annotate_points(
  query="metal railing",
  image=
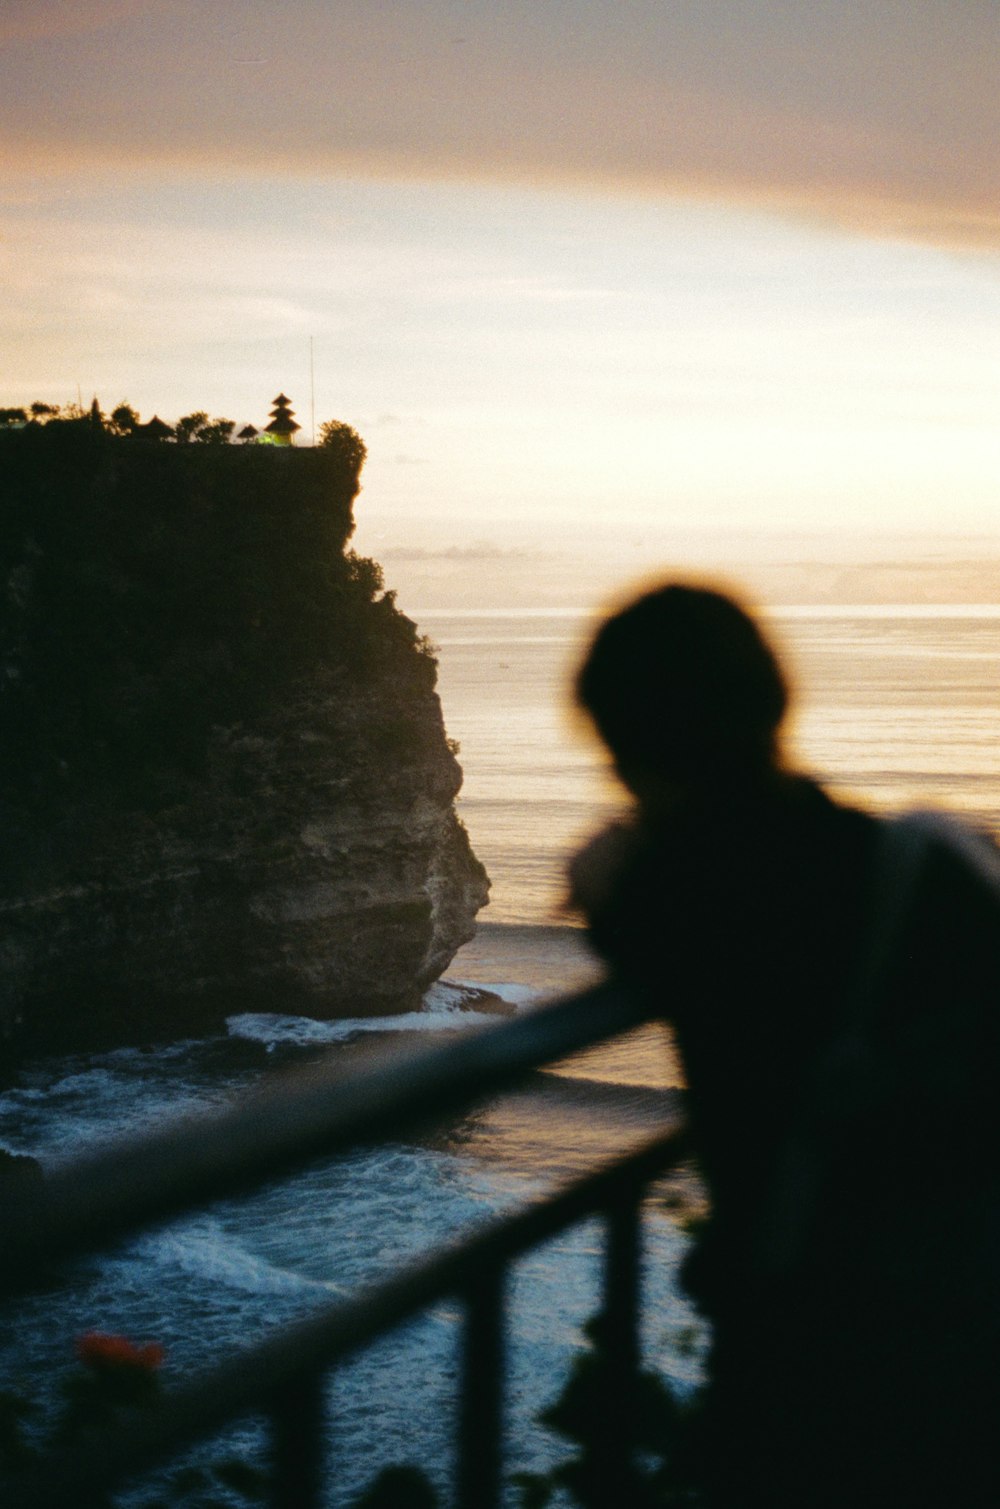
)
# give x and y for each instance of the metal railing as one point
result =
(296, 1118)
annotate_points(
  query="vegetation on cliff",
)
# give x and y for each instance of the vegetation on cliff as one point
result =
(153, 592)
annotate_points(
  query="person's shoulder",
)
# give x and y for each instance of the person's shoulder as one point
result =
(813, 817)
(808, 795)
(936, 831)
(949, 865)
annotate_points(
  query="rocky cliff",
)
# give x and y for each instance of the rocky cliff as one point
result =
(224, 778)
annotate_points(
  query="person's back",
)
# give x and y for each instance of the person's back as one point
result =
(745, 900)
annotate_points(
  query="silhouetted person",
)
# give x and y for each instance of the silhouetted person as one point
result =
(833, 981)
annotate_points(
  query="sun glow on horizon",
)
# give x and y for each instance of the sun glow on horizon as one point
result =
(507, 351)
(734, 268)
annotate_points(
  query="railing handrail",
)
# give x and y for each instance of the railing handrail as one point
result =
(296, 1116)
(301, 1115)
(332, 1333)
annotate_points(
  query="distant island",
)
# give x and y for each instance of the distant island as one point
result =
(224, 776)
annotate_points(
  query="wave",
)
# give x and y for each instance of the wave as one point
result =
(449, 1006)
(203, 1249)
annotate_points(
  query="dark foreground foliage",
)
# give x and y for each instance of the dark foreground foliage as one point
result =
(661, 1471)
(115, 1380)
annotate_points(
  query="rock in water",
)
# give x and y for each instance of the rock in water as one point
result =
(224, 775)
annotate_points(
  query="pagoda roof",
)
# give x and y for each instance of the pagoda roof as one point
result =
(283, 424)
(282, 399)
(248, 432)
(155, 429)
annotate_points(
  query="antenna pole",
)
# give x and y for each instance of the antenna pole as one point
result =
(312, 387)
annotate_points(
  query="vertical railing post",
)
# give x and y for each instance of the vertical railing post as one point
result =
(480, 1443)
(619, 1342)
(297, 1460)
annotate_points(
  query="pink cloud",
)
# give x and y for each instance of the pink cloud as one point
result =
(884, 118)
(31, 20)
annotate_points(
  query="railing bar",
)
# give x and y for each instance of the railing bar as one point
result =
(297, 1436)
(622, 1275)
(237, 1386)
(480, 1441)
(620, 1343)
(300, 1115)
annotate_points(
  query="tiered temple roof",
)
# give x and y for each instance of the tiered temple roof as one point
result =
(283, 423)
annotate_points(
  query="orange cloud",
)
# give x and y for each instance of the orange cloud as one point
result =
(30, 20)
(884, 118)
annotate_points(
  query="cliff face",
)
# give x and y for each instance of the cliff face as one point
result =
(224, 776)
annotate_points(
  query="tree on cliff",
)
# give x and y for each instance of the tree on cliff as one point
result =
(217, 432)
(187, 428)
(124, 419)
(346, 444)
(197, 426)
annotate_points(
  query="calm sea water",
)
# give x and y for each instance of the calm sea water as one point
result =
(897, 707)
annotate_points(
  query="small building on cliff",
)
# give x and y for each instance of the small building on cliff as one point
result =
(155, 429)
(283, 422)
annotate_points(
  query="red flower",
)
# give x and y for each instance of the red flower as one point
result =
(103, 1353)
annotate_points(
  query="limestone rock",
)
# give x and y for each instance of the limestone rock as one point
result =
(223, 797)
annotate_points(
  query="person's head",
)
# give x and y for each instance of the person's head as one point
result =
(685, 692)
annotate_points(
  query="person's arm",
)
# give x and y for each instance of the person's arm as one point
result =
(595, 871)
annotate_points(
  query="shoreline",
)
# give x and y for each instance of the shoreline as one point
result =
(504, 967)
(550, 958)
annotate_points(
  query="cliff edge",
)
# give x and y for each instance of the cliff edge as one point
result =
(224, 778)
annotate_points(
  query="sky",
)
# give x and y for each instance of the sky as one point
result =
(590, 274)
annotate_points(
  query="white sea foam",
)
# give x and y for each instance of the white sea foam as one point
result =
(205, 1251)
(460, 997)
(512, 995)
(89, 1084)
(447, 1008)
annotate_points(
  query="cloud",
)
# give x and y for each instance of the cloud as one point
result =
(483, 550)
(881, 117)
(31, 20)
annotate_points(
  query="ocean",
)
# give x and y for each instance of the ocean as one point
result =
(897, 707)
(894, 707)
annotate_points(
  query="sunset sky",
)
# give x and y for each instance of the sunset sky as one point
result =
(688, 264)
